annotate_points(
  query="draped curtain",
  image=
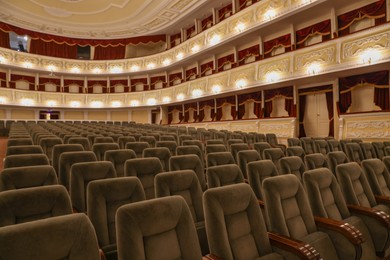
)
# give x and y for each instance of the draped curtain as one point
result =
(225, 12)
(191, 72)
(174, 38)
(328, 90)
(158, 79)
(226, 100)
(92, 83)
(228, 59)
(287, 93)
(135, 82)
(29, 79)
(3, 79)
(109, 52)
(207, 22)
(376, 10)
(248, 52)
(4, 39)
(187, 108)
(53, 49)
(190, 31)
(170, 112)
(202, 105)
(68, 82)
(378, 80)
(244, 98)
(245, 3)
(323, 28)
(173, 77)
(206, 67)
(282, 41)
(116, 82)
(44, 81)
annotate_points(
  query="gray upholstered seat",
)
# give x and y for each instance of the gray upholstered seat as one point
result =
(215, 142)
(233, 141)
(151, 140)
(273, 154)
(334, 145)
(296, 151)
(321, 146)
(220, 158)
(145, 169)
(386, 161)
(162, 153)
(190, 149)
(118, 159)
(48, 143)
(235, 148)
(327, 201)
(377, 176)
(273, 141)
(336, 158)
(137, 147)
(292, 165)
(104, 197)
(368, 150)
(100, 148)
(316, 160)
(290, 214)
(30, 204)
(171, 145)
(189, 162)
(185, 183)
(244, 157)
(81, 174)
(257, 172)
(80, 140)
(19, 141)
(183, 138)
(222, 175)
(215, 148)
(293, 141)
(162, 228)
(260, 147)
(24, 149)
(308, 145)
(20, 160)
(71, 237)
(123, 140)
(354, 152)
(28, 176)
(103, 139)
(62, 148)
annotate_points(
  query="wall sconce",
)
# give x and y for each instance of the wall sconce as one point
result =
(96, 104)
(272, 76)
(269, 14)
(151, 102)
(151, 65)
(166, 62)
(3, 100)
(75, 103)
(2, 59)
(116, 69)
(195, 48)
(180, 56)
(216, 89)
(241, 83)
(216, 38)
(134, 68)
(96, 70)
(27, 102)
(134, 103)
(166, 99)
(197, 93)
(370, 55)
(180, 96)
(51, 103)
(27, 64)
(75, 70)
(116, 103)
(240, 27)
(313, 68)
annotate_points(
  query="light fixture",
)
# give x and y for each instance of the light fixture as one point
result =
(166, 62)
(75, 103)
(27, 102)
(166, 99)
(27, 64)
(2, 59)
(96, 104)
(313, 68)
(134, 68)
(134, 103)
(370, 55)
(195, 48)
(51, 103)
(151, 65)
(180, 96)
(3, 100)
(216, 89)
(272, 76)
(96, 70)
(241, 83)
(51, 68)
(216, 38)
(197, 93)
(75, 70)
(116, 69)
(116, 103)
(180, 56)
(269, 14)
(240, 27)
(151, 101)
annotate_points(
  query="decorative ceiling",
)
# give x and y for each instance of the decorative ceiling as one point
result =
(100, 19)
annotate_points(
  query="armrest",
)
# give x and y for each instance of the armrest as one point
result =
(302, 250)
(382, 199)
(379, 215)
(347, 230)
(211, 257)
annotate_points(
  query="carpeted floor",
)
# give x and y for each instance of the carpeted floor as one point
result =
(3, 148)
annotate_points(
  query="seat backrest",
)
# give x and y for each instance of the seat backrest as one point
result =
(184, 137)
(118, 159)
(222, 175)
(189, 162)
(71, 237)
(235, 148)
(334, 145)
(244, 157)
(184, 183)
(316, 160)
(24, 149)
(103, 200)
(123, 140)
(379, 148)
(354, 152)
(336, 158)
(67, 159)
(386, 161)
(138, 147)
(30, 204)
(100, 148)
(227, 211)
(308, 145)
(168, 138)
(354, 185)
(61, 148)
(296, 151)
(194, 142)
(220, 158)
(260, 137)
(257, 172)
(215, 148)
(378, 176)
(288, 207)
(292, 165)
(271, 138)
(145, 169)
(103, 139)
(20, 160)
(80, 140)
(81, 174)
(190, 149)
(146, 229)
(171, 145)
(19, 141)
(47, 145)
(368, 150)
(26, 177)
(233, 141)
(215, 142)
(260, 147)
(162, 153)
(326, 199)
(293, 141)
(151, 140)
(321, 146)
(273, 154)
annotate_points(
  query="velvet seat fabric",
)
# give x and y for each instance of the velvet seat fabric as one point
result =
(293, 141)
(171, 145)
(19, 141)
(118, 159)
(235, 148)
(61, 148)
(48, 144)
(20, 160)
(191, 149)
(315, 161)
(24, 149)
(222, 175)
(292, 165)
(368, 150)
(100, 148)
(378, 176)
(308, 145)
(151, 140)
(162, 153)
(244, 157)
(354, 152)
(215, 148)
(336, 158)
(260, 147)
(137, 147)
(379, 148)
(219, 158)
(296, 151)
(123, 140)
(321, 146)
(257, 172)
(189, 162)
(334, 145)
(80, 140)
(273, 154)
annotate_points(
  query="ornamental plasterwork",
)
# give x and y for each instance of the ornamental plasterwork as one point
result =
(182, 90)
(281, 129)
(151, 60)
(180, 4)
(50, 62)
(25, 94)
(280, 66)
(96, 98)
(6, 93)
(155, 23)
(6, 54)
(119, 65)
(75, 64)
(220, 29)
(326, 55)
(354, 48)
(96, 66)
(48, 97)
(368, 129)
(74, 97)
(27, 58)
(152, 94)
(247, 74)
(201, 85)
(120, 98)
(246, 18)
(134, 96)
(196, 41)
(135, 63)
(273, 4)
(245, 127)
(167, 92)
(221, 80)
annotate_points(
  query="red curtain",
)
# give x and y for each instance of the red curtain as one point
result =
(53, 49)
(375, 11)
(29, 79)
(92, 83)
(170, 111)
(202, 105)
(4, 39)
(173, 77)
(228, 59)
(248, 52)
(323, 28)
(225, 12)
(329, 104)
(3, 79)
(255, 97)
(284, 41)
(157, 79)
(68, 82)
(109, 52)
(207, 22)
(187, 108)
(174, 38)
(221, 101)
(380, 81)
(44, 81)
(190, 31)
(302, 106)
(206, 67)
(191, 72)
(287, 92)
(245, 3)
(115, 82)
(135, 82)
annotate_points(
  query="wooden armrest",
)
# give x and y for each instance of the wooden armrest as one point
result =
(382, 199)
(261, 204)
(211, 257)
(304, 251)
(101, 253)
(347, 230)
(379, 215)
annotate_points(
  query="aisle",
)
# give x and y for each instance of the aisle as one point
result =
(3, 148)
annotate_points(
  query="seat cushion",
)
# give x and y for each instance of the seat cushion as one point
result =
(368, 249)
(322, 243)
